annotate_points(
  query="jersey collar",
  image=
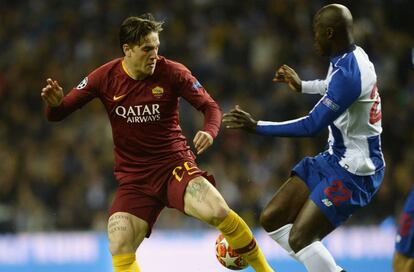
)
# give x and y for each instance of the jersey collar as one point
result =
(340, 54)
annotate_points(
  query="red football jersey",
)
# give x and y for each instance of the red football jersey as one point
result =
(143, 113)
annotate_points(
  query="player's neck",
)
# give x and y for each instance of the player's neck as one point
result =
(342, 49)
(131, 72)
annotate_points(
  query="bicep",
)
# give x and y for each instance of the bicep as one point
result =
(336, 101)
(192, 91)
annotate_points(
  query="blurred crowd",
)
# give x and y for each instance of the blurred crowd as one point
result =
(58, 176)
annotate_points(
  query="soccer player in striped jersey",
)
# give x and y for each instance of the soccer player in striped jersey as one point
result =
(403, 260)
(323, 191)
(154, 165)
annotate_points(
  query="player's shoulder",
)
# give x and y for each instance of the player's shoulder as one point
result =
(107, 67)
(355, 67)
(100, 75)
(346, 67)
(171, 66)
(346, 76)
(354, 60)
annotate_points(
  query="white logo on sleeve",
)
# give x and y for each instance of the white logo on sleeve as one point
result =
(327, 202)
(330, 104)
(82, 84)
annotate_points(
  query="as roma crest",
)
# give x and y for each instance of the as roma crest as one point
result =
(157, 92)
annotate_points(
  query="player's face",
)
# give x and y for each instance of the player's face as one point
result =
(144, 56)
(320, 39)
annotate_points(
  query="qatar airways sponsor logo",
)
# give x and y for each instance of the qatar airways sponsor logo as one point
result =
(139, 113)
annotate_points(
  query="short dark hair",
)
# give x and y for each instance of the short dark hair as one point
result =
(136, 27)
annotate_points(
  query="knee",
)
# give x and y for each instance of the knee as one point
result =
(298, 240)
(218, 214)
(119, 247)
(271, 219)
(124, 236)
(121, 244)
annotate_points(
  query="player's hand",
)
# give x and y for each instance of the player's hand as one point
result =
(239, 119)
(287, 75)
(52, 93)
(202, 141)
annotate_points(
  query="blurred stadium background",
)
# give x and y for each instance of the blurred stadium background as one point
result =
(56, 180)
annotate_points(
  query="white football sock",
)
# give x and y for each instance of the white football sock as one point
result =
(281, 236)
(317, 258)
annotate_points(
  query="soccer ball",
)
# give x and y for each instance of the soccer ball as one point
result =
(227, 256)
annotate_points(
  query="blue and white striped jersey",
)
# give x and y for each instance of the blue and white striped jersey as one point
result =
(350, 107)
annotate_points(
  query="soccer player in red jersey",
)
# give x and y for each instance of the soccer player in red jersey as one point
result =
(153, 163)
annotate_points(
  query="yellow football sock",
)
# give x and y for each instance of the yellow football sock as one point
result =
(125, 263)
(240, 237)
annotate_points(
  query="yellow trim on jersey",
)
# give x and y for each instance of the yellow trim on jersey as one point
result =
(126, 70)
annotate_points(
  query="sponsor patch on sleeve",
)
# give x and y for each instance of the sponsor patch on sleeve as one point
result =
(330, 104)
(82, 84)
(196, 85)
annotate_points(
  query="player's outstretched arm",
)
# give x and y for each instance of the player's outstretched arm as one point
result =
(239, 119)
(52, 93)
(285, 74)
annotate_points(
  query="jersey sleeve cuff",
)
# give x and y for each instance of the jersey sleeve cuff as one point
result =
(313, 86)
(307, 87)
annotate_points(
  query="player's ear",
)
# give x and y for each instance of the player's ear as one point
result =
(329, 32)
(126, 49)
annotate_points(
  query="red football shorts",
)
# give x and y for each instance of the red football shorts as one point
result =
(145, 195)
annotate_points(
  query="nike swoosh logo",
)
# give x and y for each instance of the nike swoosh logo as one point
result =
(116, 98)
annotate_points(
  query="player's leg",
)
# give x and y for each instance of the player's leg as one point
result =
(132, 215)
(284, 209)
(125, 233)
(336, 196)
(203, 201)
(280, 213)
(309, 179)
(278, 216)
(310, 227)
